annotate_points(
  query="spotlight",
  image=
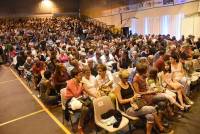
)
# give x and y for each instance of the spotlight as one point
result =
(47, 3)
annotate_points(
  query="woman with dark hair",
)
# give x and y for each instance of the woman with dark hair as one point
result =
(47, 92)
(124, 61)
(60, 77)
(21, 59)
(166, 80)
(38, 69)
(104, 80)
(179, 74)
(154, 85)
(75, 89)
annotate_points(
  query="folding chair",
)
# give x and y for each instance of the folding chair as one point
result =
(131, 118)
(101, 106)
(71, 112)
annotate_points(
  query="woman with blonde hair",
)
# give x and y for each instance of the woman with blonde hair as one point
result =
(128, 99)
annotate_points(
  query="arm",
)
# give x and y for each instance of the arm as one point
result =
(137, 90)
(48, 88)
(85, 87)
(110, 78)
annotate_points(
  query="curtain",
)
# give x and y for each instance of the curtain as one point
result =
(167, 24)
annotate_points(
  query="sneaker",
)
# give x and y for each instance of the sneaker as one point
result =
(187, 108)
(38, 95)
(80, 131)
(188, 101)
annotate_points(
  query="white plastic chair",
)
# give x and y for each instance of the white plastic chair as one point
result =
(101, 106)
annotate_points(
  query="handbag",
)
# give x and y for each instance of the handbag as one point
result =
(139, 102)
(86, 101)
(75, 104)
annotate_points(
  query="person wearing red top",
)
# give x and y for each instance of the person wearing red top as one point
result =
(159, 63)
(75, 89)
(37, 69)
(139, 83)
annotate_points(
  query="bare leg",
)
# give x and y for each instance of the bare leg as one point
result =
(180, 97)
(149, 126)
(158, 122)
(179, 106)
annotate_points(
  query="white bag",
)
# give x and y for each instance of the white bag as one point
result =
(75, 104)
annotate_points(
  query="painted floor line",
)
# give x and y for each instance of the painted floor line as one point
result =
(3, 82)
(42, 105)
(22, 117)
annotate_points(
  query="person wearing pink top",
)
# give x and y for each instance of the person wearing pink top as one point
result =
(74, 86)
(63, 57)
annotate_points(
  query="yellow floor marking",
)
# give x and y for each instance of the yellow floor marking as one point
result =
(22, 117)
(42, 105)
(3, 82)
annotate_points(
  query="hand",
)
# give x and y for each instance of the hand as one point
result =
(104, 86)
(137, 96)
(134, 106)
(85, 96)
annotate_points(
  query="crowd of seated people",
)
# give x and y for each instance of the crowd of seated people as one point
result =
(75, 58)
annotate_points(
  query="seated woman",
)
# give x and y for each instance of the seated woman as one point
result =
(165, 78)
(154, 85)
(189, 67)
(140, 85)
(126, 97)
(38, 70)
(60, 77)
(104, 80)
(179, 74)
(151, 97)
(47, 93)
(75, 89)
(89, 83)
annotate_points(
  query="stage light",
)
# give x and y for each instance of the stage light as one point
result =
(47, 4)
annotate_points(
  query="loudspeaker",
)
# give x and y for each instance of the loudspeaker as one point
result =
(125, 31)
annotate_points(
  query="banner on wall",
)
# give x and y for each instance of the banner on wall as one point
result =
(168, 2)
(182, 1)
(144, 5)
(147, 4)
(157, 3)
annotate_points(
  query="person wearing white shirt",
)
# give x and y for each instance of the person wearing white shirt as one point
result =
(107, 59)
(104, 79)
(89, 83)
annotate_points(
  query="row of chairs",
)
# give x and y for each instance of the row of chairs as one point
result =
(102, 105)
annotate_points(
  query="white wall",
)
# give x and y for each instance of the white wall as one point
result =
(155, 18)
(191, 25)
